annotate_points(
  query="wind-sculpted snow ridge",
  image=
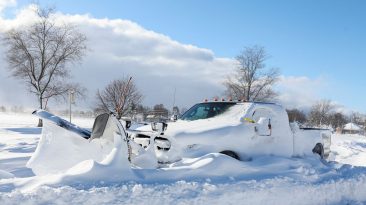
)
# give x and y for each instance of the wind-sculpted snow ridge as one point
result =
(277, 190)
(5, 175)
(212, 179)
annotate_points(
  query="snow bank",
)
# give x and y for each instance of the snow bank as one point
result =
(64, 157)
(277, 190)
(17, 120)
(107, 178)
(59, 149)
(216, 167)
(5, 174)
(349, 149)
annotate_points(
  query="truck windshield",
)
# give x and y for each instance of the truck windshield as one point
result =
(206, 110)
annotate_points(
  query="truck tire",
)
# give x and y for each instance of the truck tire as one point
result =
(319, 149)
(230, 154)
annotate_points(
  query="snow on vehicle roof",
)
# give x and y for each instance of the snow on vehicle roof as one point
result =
(234, 116)
(239, 101)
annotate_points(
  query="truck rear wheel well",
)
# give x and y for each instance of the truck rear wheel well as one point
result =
(319, 149)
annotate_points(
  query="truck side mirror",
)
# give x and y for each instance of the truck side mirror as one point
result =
(128, 124)
(99, 126)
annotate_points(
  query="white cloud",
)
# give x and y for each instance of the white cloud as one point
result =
(6, 3)
(157, 63)
(300, 91)
(23, 18)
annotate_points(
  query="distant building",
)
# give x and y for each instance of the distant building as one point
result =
(139, 117)
(352, 128)
(157, 116)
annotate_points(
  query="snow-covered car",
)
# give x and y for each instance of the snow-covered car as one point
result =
(239, 129)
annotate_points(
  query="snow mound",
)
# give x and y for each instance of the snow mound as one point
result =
(5, 175)
(275, 190)
(349, 149)
(59, 149)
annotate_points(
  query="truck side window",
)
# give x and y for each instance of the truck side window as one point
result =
(206, 110)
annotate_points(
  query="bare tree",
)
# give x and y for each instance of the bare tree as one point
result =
(357, 118)
(39, 54)
(2, 109)
(120, 96)
(296, 115)
(253, 81)
(320, 113)
(337, 120)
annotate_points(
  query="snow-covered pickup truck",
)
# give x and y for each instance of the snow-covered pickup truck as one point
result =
(242, 130)
(239, 129)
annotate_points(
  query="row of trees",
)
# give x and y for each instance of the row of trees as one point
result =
(13, 108)
(323, 113)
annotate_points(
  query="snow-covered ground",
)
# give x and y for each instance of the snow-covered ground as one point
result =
(210, 179)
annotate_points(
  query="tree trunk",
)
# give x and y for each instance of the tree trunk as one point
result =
(248, 94)
(40, 122)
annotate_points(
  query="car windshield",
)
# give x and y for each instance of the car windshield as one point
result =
(206, 110)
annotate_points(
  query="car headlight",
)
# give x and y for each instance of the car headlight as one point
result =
(162, 143)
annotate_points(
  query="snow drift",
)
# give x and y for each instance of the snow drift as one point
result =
(209, 179)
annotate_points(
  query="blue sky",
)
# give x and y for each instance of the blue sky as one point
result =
(318, 39)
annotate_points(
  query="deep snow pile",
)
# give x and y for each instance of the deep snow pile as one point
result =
(270, 191)
(349, 149)
(213, 178)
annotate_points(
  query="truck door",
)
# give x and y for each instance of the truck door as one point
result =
(263, 118)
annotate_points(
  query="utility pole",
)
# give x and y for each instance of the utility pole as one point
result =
(71, 101)
(175, 91)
